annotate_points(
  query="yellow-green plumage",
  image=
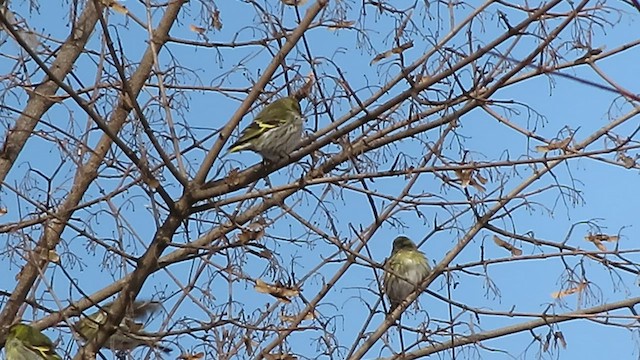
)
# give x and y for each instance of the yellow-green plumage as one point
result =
(275, 132)
(405, 269)
(25, 342)
(129, 334)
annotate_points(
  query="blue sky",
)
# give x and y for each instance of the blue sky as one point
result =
(606, 194)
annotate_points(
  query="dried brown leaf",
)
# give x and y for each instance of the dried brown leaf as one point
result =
(280, 356)
(195, 356)
(554, 145)
(471, 177)
(560, 337)
(290, 318)
(54, 98)
(252, 232)
(249, 344)
(395, 50)
(600, 245)
(477, 186)
(342, 24)
(116, 6)
(545, 346)
(49, 255)
(481, 178)
(420, 79)
(52, 256)
(598, 239)
(149, 179)
(573, 290)
(266, 254)
(294, 2)
(215, 20)
(305, 90)
(280, 292)
(197, 29)
(465, 176)
(627, 161)
(345, 86)
(232, 177)
(503, 244)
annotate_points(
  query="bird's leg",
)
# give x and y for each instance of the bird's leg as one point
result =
(266, 180)
(400, 334)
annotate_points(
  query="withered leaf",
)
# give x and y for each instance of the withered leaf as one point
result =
(290, 318)
(468, 177)
(232, 177)
(503, 244)
(395, 50)
(627, 161)
(215, 20)
(305, 90)
(52, 256)
(54, 98)
(464, 175)
(280, 292)
(195, 356)
(481, 178)
(560, 337)
(554, 145)
(266, 254)
(598, 239)
(573, 290)
(547, 343)
(249, 234)
(280, 357)
(477, 186)
(116, 6)
(49, 255)
(342, 24)
(603, 237)
(294, 2)
(589, 54)
(197, 29)
(249, 344)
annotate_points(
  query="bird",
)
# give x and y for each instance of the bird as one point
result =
(129, 334)
(24, 342)
(275, 131)
(405, 269)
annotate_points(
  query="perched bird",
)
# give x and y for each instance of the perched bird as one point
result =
(405, 269)
(24, 342)
(275, 132)
(129, 334)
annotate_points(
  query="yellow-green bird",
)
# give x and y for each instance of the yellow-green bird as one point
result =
(25, 342)
(275, 132)
(405, 269)
(130, 333)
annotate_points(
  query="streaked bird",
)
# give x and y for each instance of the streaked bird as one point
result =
(405, 269)
(25, 342)
(275, 132)
(129, 334)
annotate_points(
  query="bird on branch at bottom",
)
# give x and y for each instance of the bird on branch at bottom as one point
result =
(405, 269)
